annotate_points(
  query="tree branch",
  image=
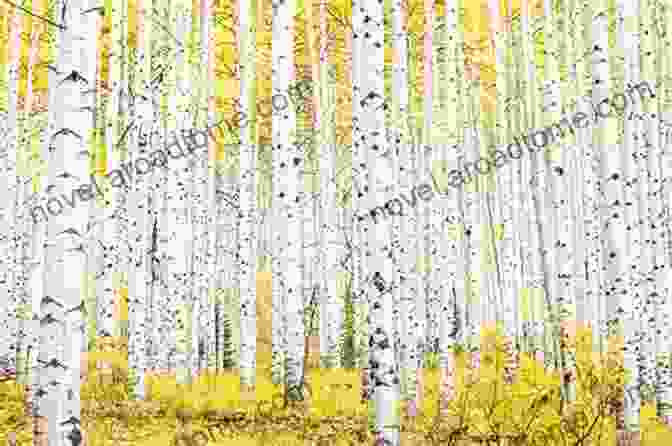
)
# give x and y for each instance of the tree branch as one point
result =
(62, 27)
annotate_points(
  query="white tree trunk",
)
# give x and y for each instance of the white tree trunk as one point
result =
(428, 295)
(651, 370)
(211, 211)
(62, 327)
(615, 245)
(116, 184)
(38, 260)
(507, 261)
(158, 306)
(535, 271)
(560, 250)
(180, 224)
(517, 93)
(451, 248)
(475, 230)
(288, 199)
(12, 350)
(282, 66)
(369, 138)
(354, 47)
(664, 386)
(657, 171)
(332, 215)
(248, 199)
(413, 262)
(22, 236)
(139, 277)
(404, 254)
(203, 187)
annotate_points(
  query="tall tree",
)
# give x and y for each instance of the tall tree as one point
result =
(151, 136)
(404, 254)
(560, 248)
(354, 48)
(111, 239)
(369, 139)
(413, 259)
(506, 259)
(62, 327)
(474, 227)
(451, 246)
(139, 275)
(535, 272)
(332, 213)
(288, 199)
(664, 363)
(180, 224)
(282, 69)
(26, 316)
(248, 198)
(20, 241)
(653, 370)
(425, 150)
(12, 349)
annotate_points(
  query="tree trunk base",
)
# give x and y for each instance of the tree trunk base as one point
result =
(667, 421)
(411, 409)
(247, 393)
(624, 438)
(40, 434)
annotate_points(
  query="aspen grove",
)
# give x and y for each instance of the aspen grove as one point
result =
(526, 303)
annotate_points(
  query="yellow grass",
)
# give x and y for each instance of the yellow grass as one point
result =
(333, 414)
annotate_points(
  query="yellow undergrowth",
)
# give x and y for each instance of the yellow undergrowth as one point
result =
(213, 411)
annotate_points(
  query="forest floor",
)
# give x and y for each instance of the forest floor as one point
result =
(212, 411)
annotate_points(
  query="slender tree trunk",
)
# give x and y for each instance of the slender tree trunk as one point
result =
(282, 67)
(203, 189)
(560, 250)
(414, 260)
(38, 260)
(62, 328)
(452, 262)
(405, 254)
(475, 231)
(354, 47)
(648, 158)
(139, 280)
(535, 289)
(13, 348)
(542, 221)
(653, 367)
(612, 187)
(213, 207)
(288, 163)
(26, 317)
(116, 184)
(248, 198)
(664, 364)
(21, 237)
(505, 179)
(156, 299)
(369, 138)
(180, 225)
(428, 295)
(332, 214)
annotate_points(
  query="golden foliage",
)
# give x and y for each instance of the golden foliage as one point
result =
(210, 411)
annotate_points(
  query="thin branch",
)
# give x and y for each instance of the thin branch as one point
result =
(339, 19)
(62, 27)
(162, 26)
